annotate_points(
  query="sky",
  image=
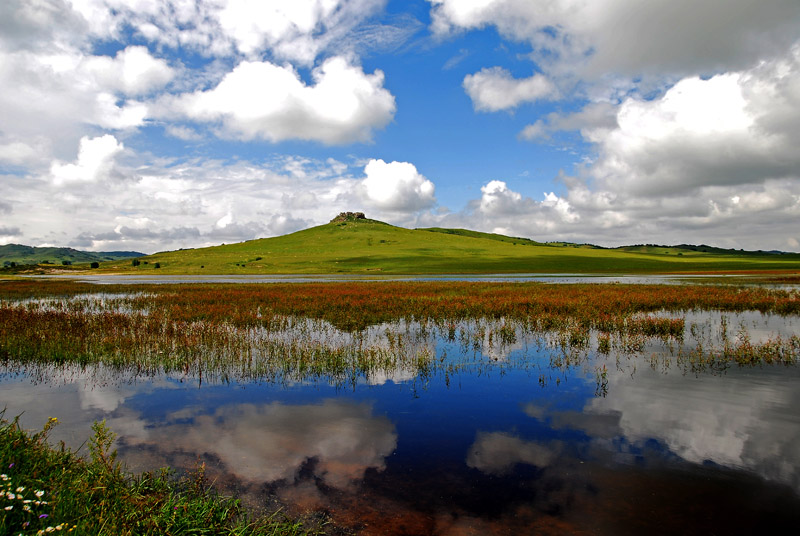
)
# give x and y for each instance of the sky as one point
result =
(154, 125)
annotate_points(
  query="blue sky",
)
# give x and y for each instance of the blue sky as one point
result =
(160, 124)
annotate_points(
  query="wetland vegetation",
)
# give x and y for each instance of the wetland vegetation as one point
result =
(348, 331)
(303, 347)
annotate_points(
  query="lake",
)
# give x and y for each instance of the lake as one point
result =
(519, 435)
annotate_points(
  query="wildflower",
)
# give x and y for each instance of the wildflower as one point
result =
(20, 489)
(42, 516)
(39, 494)
(10, 507)
(11, 496)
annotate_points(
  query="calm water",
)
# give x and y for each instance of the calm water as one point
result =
(310, 278)
(508, 445)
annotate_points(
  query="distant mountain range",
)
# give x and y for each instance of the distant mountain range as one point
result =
(20, 254)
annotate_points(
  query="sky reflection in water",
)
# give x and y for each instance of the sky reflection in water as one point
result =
(489, 450)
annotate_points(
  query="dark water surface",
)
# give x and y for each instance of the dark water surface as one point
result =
(504, 446)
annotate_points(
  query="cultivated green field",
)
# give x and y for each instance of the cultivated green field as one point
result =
(372, 247)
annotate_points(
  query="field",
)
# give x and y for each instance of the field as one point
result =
(373, 247)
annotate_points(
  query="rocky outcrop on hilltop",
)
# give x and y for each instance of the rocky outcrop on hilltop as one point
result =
(348, 216)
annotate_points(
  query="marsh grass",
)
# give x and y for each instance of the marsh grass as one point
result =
(347, 333)
(55, 490)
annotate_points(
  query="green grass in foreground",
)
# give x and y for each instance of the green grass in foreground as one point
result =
(53, 490)
(373, 247)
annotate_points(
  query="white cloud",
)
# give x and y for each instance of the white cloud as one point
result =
(494, 89)
(396, 186)
(503, 206)
(560, 206)
(268, 101)
(497, 198)
(18, 153)
(133, 71)
(95, 161)
(709, 157)
(727, 130)
(294, 30)
(156, 205)
(593, 121)
(632, 38)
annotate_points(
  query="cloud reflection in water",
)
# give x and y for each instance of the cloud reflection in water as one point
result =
(270, 442)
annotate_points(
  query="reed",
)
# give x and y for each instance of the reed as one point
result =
(344, 333)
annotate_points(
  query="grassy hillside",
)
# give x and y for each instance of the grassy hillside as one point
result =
(20, 254)
(372, 247)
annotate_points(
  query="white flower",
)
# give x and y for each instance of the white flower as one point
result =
(10, 507)
(39, 494)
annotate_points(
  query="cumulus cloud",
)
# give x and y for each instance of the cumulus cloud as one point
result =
(630, 38)
(132, 71)
(593, 121)
(53, 96)
(494, 89)
(701, 133)
(18, 153)
(94, 163)
(706, 153)
(396, 186)
(509, 211)
(154, 205)
(271, 102)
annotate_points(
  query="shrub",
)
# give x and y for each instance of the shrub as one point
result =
(95, 265)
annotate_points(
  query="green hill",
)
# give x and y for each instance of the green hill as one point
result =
(364, 246)
(19, 254)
